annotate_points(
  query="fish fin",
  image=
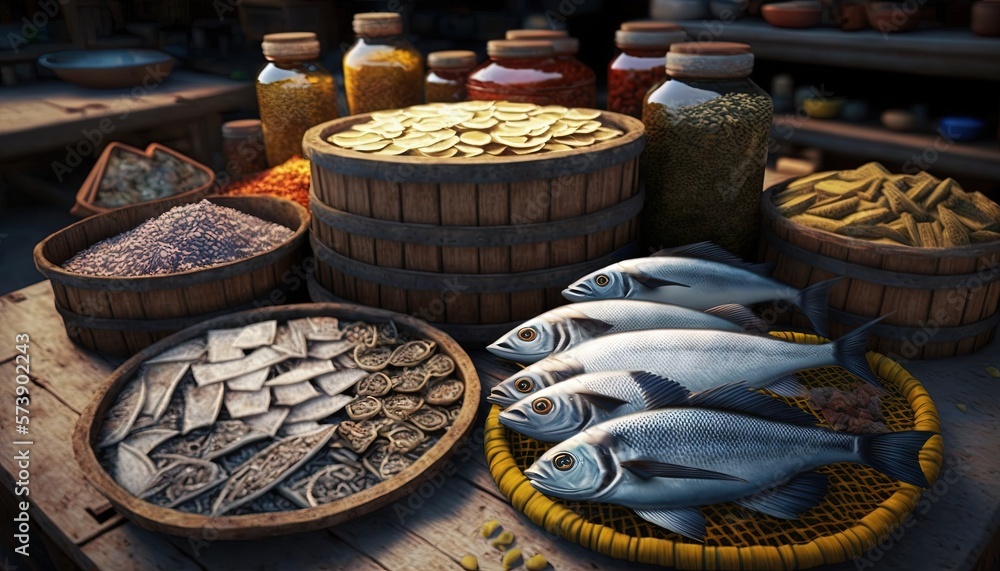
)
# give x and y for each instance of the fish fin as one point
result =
(601, 400)
(787, 386)
(689, 522)
(652, 282)
(896, 454)
(790, 499)
(592, 326)
(714, 253)
(660, 392)
(738, 397)
(647, 469)
(851, 353)
(740, 315)
(814, 301)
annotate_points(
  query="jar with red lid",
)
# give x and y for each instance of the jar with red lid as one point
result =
(565, 49)
(639, 63)
(527, 71)
(447, 73)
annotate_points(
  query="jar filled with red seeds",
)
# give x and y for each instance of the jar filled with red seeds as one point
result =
(527, 71)
(565, 49)
(448, 72)
(639, 63)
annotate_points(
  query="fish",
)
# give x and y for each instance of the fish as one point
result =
(700, 276)
(567, 326)
(291, 395)
(698, 359)
(665, 464)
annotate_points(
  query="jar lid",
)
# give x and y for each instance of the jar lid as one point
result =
(565, 46)
(291, 45)
(453, 59)
(378, 24)
(241, 128)
(649, 26)
(519, 48)
(637, 39)
(709, 60)
(536, 34)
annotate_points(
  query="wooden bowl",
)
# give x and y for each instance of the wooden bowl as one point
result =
(892, 17)
(109, 69)
(792, 14)
(86, 197)
(252, 526)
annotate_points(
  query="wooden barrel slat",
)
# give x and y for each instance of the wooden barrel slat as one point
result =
(494, 209)
(458, 208)
(566, 204)
(385, 205)
(942, 301)
(529, 204)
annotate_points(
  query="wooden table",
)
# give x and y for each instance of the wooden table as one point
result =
(53, 114)
(433, 530)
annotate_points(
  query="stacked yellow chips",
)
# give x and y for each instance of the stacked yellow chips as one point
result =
(472, 128)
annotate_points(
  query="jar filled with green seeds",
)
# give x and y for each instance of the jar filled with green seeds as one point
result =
(708, 127)
(294, 93)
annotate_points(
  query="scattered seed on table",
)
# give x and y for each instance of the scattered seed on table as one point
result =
(993, 371)
(962, 407)
(536, 562)
(511, 558)
(470, 563)
(503, 540)
(489, 528)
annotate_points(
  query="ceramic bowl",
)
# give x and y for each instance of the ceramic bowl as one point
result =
(962, 128)
(892, 17)
(799, 14)
(899, 120)
(822, 108)
(986, 18)
(108, 69)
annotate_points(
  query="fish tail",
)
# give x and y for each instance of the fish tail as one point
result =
(850, 353)
(896, 454)
(814, 302)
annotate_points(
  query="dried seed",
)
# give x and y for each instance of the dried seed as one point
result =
(536, 562)
(489, 528)
(836, 209)
(503, 540)
(511, 559)
(470, 563)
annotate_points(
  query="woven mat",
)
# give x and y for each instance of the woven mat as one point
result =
(862, 505)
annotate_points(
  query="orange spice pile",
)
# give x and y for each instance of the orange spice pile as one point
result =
(288, 180)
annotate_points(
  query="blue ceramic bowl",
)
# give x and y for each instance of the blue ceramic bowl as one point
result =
(962, 128)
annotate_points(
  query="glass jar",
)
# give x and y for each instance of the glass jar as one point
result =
(525, 71)
(565, 49)
(294, 93)
(243, 147)
(639, 63)
(382, 70)
(448, 73)
(707, 127)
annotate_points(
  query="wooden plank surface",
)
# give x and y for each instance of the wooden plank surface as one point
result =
(433, 532)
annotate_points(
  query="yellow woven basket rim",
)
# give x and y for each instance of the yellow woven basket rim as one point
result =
(835, 548)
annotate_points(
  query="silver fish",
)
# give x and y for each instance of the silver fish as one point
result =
(663, 464)
(697, 359)
(567, 326)
(700, 276)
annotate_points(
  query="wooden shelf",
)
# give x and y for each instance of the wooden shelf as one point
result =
(937, 52)
(978, 160)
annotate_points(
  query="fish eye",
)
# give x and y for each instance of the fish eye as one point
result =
(541, 405)
(527, 334)
(524, 385)
(563, 461)
(602, 280)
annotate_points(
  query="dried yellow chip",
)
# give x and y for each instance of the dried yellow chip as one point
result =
(479, 123)
(476, 138)
(511, 107)
(495, 148)
(376, 146)
(583, 113)
(507, 116)
(557, 147)
(527, 150)
(440, 146)
(536, 562)
(489, 528)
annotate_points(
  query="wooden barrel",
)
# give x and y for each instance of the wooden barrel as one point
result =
(475, 245)
(938, 302)
(122, 315)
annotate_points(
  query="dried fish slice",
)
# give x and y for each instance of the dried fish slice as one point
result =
(429, 418)
(145, 441)
(797, 205)
(185, 352)
(374, 385)
(291, 395)
(329, 484)
(983, 236)
(394, 463)
(411, 380)
(160, 380)
(218, 440)
(405, 438)
(296, 428)
(372, 358)
(405, 402)
(303, 370)
(356, 435)
(318, 408)
(256, 335)
(876, 232)
(291, 341)
(361, 333)
(410, 353)
(339, 381)
(387, 334)
(445, 392)
(251, 382)
(171, 419)
(324, 329)
(363, 408)
(373, 458)
(439, 365)
(221, 347)
(345, 361)
(122, 415)
(330, 349)
(900, 203)
(202, 406)
(133, 470)
(269, 422)
(268, 467)
(207, 373)
(182, 480)
(241, 404)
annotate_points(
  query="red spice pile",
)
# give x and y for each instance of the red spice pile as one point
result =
(288, 180)
(858, 411)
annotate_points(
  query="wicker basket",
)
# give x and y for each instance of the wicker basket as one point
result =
(861, 508)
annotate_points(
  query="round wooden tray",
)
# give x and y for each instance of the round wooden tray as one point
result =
(862, 506)
(251, 526)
